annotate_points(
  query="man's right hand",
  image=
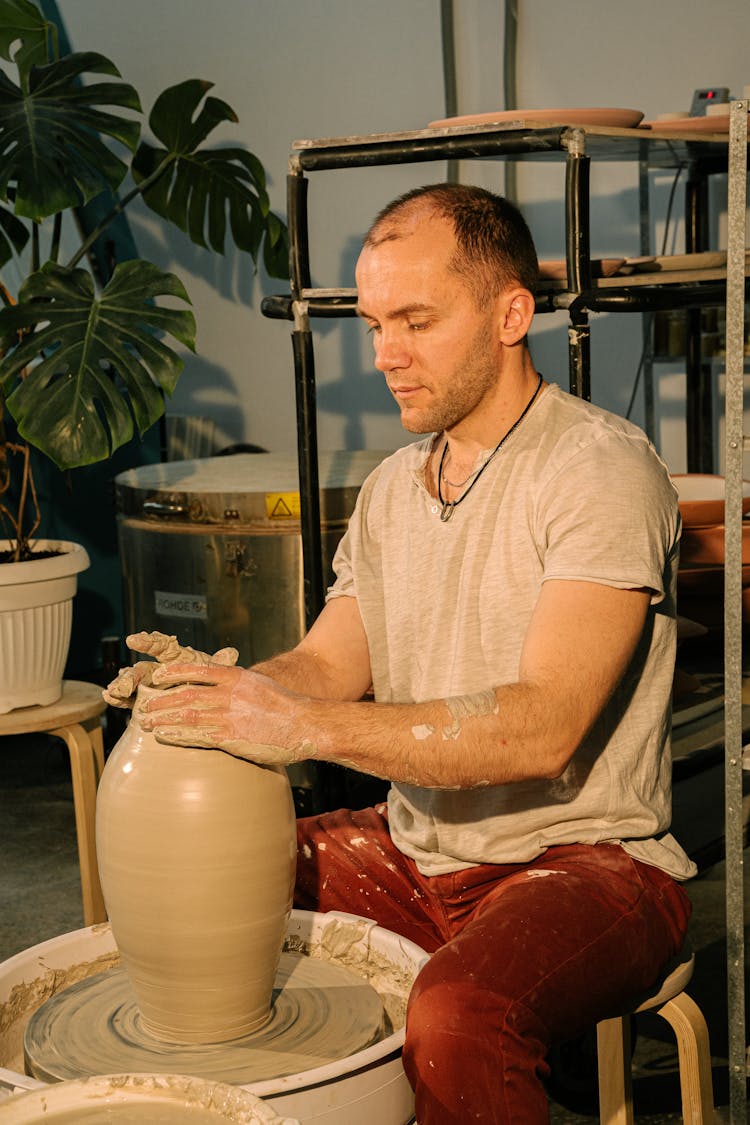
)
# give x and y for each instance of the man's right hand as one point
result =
(162, 649)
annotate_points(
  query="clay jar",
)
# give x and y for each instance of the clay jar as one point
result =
(196, 853)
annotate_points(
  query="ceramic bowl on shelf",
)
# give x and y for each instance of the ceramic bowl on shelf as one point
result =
(705, 545)
(714, 124)
(701, 498)
(556, 269)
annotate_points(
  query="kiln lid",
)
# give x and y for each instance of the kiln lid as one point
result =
(255, 488)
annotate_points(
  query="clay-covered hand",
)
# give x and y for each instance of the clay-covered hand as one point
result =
(163, 649)
(233, 709)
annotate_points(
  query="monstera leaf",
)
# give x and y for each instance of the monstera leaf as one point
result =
(53, 154)
(26, 37)
(13, 235)
(201, 190)
(81, 366)
(79, 351)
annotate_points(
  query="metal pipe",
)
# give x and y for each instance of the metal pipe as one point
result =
(510, 85)
(307, 457)
(432, 146)
(577, 238)
(299, 250)
(579, 354)
(639, 298)
(448, 38)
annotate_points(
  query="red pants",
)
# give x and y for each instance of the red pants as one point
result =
(524, 955)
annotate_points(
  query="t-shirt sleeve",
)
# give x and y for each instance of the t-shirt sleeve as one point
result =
(343, 585)
(610, 515)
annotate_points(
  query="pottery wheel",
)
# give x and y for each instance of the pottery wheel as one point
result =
(321, 1012)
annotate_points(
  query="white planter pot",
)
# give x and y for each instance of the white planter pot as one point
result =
(36, 614)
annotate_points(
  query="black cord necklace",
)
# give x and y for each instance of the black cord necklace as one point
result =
(449, 505)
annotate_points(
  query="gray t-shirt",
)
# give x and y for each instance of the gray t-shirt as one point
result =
(575, 493)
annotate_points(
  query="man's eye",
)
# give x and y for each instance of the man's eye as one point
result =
(419, 325)
(372, 328)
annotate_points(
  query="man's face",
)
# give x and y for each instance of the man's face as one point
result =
(440, 354)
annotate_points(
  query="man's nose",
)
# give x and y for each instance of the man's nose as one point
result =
(391, 352)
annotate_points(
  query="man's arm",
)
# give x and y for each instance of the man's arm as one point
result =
(580, 641)
(332, 661)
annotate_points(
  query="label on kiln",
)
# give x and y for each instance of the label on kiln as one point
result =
(180, 605)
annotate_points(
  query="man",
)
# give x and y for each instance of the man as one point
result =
(506, 587)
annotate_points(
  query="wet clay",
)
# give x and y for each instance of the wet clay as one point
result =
(321, 1012)
(346, 943)
(28, 995)
(133, 1115)
(196, 853)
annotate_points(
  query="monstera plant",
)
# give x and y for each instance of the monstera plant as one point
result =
(87, 355)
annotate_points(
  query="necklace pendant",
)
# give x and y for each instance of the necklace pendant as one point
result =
(447, 511)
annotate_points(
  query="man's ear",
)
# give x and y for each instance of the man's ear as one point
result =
(519, 307)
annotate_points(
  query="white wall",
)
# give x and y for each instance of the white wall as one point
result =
(314, 68)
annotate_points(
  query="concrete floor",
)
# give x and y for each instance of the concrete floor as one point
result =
(40, 898)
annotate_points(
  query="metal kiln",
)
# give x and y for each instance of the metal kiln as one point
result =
(211, 550)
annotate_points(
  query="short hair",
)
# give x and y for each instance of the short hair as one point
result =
(494, 247)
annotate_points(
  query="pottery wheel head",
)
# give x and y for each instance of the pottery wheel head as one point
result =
(321, 1013)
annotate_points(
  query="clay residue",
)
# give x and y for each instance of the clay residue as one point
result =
(465, 707)
(27, 996)
(348, 944)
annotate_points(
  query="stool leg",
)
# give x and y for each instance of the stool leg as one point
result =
(694, 1054)
(85, 771)
(615, 1077)
(96, 734)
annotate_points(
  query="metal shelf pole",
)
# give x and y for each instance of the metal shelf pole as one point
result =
(304, 381)
(647, 321)
(578, 264)
(699, 387)
(736, 443)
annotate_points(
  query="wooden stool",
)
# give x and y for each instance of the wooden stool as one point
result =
(667, 999)
(76, 718)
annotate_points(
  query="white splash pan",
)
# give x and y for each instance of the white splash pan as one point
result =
(368, 1087)
(140, 1097)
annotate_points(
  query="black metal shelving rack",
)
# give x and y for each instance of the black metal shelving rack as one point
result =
(702, 155)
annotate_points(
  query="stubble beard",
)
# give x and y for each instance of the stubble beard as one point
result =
(476, 373)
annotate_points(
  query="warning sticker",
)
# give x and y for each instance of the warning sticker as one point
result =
(282, 505)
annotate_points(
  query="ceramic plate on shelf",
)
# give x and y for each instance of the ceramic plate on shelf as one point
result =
(707, 579)
(704, 260)
(716, 123)
(701, 498)
(556, 269)
(612, 118)
(638, 265)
